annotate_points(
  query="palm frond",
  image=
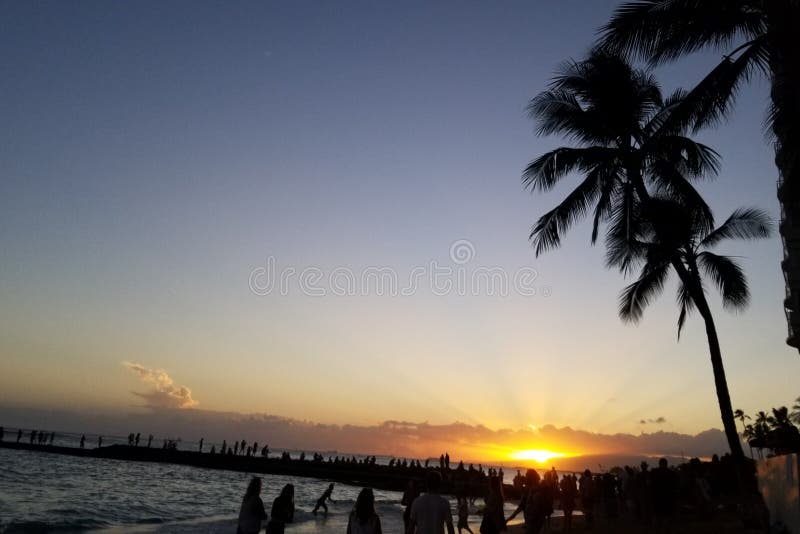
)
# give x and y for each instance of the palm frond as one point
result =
(728, 277)
(545, 171)
(636, 296)
(744, 223)
(662, 30)
(686, 305)
(546, 233)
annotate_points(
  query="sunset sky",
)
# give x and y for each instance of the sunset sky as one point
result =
(157, 157)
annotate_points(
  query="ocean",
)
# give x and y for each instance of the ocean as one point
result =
(44, 492)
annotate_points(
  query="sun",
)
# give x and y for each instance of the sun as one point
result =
(537, 455)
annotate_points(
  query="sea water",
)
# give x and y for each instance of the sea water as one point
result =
(45, 492)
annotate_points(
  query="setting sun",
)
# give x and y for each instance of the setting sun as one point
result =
(537, 455)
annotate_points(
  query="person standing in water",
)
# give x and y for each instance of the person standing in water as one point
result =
(321, 502)
(252, 512)
(363, 519)
(430, 513)
(282, 510)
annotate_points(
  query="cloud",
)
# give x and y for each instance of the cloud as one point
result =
(164, 392)
(657, 421)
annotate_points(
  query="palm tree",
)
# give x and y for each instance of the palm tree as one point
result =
(629, 138)
(742, 417)
(672, 240)
(626, 141)
(761, 36)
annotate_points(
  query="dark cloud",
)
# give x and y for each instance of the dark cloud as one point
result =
(657, 421)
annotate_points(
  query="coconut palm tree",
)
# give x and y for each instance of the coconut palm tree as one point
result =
(625, 140)
(629, 141)
(671, 240)
(760, 36)
(742, 417)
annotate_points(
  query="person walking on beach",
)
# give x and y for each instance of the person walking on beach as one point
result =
(326, 496)
(252, 511)
(430, 512)
(493, 517)
(531, 504)
(282, 511)
(363, 519)
(409, 495)
(463, 514)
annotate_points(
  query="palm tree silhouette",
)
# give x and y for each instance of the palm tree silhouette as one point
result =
(671, 232)
(626, 140)
(764, 33)
(630, 139)
(742, 417)
(795, 414)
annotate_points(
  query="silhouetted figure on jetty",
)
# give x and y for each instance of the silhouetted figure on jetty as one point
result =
(99, 441)
(441, 461)
(282, 510)
(255, 448)
(83, 441)
(242, 446)
(130, 439)
(409, 495)
(213, 449)
(136, 441)
(265, 451)
(321, 502)
(252, 511)
(224, 448)
(363, 519)
(235, 448)
(430, 512)
(200, 448)
(446, 460)
(2, 433)
(149, 440)
(19, 435)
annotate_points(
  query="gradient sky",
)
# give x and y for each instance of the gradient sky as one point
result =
(155, 154)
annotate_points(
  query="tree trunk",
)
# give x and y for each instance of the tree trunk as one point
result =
(783, 19)
(723, 396)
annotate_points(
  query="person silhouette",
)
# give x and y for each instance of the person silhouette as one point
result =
(326, 496)
(252, 511)
(201, 445)
(363, 519)
(282, 511)
(136, 441)
(463, 514)
(2, 433)
(99, 441)
(149, 440)
(430, 512)
(83, 441)
(19, 435)
(409, 495)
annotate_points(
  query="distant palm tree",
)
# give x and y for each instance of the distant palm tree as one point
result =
(764, 34)
(742, 417)
(795, 415)
(672, 240)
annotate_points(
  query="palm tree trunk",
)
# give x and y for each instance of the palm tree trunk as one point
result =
(783, 20)
(723, 395)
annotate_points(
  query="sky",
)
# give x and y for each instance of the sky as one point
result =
(295, 209)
